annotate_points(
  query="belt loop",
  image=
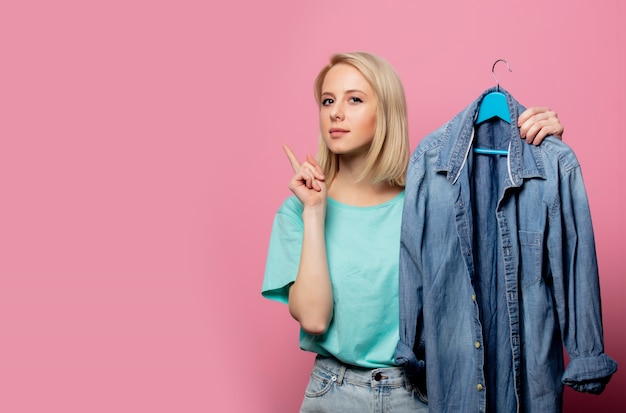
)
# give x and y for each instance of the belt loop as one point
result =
(342, 373)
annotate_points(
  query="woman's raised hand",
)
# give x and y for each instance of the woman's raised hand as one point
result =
(537, 123)
(308, 182)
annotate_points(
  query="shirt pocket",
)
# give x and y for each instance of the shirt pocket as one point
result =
(531, 247)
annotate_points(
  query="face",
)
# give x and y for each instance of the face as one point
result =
(348, 111)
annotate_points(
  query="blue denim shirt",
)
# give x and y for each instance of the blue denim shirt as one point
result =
(498, 271)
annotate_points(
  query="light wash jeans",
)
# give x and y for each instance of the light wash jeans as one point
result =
(336, 387)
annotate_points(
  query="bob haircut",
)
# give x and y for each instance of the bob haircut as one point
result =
(388, 156)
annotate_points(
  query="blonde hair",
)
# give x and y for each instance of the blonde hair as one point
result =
(388, 155)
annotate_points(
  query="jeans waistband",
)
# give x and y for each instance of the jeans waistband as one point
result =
(383, 376)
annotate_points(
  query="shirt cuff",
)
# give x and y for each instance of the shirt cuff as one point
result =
(590, 374)
(405, 357)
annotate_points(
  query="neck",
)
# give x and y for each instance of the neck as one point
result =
(347, 189)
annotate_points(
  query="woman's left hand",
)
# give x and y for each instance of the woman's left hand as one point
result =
(537, 123)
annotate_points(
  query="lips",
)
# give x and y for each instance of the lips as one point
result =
(337, 132)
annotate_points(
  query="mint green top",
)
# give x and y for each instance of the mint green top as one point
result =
(363, 248)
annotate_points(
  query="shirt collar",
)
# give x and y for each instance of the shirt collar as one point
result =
(524, 160)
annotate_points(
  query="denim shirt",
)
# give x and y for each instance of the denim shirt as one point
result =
(498, 271)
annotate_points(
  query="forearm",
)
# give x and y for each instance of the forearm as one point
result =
(311, 295)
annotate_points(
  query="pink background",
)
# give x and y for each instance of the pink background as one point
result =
(141, 166)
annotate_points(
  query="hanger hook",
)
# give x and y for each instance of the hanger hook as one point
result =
(493, 73)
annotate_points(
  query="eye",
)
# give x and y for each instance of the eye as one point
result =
(355, 99)
(327, 101)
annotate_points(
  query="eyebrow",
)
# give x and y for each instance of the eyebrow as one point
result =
(347, 92)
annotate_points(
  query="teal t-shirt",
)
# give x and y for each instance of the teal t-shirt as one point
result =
(363, 248)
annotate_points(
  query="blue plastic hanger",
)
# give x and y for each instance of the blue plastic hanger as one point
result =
(494, 105)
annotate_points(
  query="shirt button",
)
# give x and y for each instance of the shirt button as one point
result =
(479, 387)
(473, 297)
(477, 344)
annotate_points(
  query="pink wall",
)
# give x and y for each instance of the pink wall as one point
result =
(141, 165)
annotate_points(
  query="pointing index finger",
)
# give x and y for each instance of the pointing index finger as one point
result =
(295, 163)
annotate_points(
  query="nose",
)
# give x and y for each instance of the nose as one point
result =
(337, 112)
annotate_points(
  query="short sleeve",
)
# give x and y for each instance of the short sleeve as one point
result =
(285, 247)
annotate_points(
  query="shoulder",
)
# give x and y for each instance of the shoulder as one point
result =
(558, 152)
(429, 148)
(288, 217)
(291, 207)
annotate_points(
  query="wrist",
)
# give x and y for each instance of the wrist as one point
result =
(314, 212)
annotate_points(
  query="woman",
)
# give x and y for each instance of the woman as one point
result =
(334, 249)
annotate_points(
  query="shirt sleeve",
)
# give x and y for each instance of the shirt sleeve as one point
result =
(409, 350)
(285, 247)
(574, 267)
